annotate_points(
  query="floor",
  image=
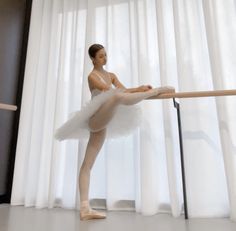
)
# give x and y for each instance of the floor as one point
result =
(19, 218)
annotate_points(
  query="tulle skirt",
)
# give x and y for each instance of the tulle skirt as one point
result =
(125, 120)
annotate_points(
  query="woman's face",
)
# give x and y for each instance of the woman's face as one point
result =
(100, 58)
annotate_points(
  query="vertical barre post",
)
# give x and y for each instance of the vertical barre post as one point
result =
(177, 106)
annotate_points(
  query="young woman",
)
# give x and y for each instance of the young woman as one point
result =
(110, 113)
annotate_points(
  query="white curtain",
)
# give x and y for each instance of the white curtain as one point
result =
(189, 44)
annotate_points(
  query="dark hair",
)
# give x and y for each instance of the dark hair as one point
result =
(93, 49)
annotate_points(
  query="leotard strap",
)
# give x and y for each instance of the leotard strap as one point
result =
(95, 91)
(100, 77)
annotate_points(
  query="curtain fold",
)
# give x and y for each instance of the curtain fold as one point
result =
(184, 43)
(222, 31)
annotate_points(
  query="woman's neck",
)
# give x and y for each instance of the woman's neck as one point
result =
(99, 69)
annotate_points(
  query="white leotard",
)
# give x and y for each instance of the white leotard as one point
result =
(95, 91)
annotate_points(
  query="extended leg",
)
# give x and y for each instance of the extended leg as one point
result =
(95, 143)
(105, 113)
(133, 98)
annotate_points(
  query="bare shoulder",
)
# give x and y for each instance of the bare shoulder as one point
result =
(91, 77)
(112, 76)
(115, 81)
(91, 80)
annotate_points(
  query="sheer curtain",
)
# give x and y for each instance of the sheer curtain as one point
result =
(185, 43)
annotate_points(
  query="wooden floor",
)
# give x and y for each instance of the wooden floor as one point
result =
(19, 218)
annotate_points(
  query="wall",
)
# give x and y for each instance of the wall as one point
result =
(14, 27)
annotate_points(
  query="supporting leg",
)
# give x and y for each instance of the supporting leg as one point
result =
(94, 145)
(177, 106)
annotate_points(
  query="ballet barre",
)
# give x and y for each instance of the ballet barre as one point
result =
(9, 107)
(193, 94)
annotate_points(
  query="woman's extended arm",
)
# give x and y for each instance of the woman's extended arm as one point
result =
(118, 84)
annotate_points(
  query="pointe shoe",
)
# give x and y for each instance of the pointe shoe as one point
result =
(166, 89)
(162, 90)
(91, 214)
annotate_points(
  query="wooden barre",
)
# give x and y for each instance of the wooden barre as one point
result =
(194, 94)
(8, 107)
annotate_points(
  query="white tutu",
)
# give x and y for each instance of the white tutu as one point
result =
(124, 121)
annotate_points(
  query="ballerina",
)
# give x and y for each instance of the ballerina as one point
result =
(110, 113)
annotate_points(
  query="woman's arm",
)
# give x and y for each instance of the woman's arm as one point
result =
(118, 84)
